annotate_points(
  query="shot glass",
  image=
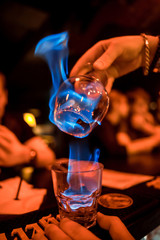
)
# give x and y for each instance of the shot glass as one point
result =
(77, 186)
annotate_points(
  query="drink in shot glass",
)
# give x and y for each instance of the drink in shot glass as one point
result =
(77, 186)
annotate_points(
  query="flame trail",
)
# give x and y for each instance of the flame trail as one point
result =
(83, 179)
(54, 49)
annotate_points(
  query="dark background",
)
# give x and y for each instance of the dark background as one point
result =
(24, 23)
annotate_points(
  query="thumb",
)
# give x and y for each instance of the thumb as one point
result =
(114, 225)
(109, 85)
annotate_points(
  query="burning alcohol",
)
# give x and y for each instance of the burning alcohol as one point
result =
(82, 209)
(77, 189)
(80, 105)
(77, 104)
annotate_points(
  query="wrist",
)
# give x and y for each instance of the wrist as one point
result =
(155, 65)
(150, 44)
(30, 156)
(153, 42)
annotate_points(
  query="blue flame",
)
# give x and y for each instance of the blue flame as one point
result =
(79, 150)
(74, 105)
(54, 49)
(80, 188)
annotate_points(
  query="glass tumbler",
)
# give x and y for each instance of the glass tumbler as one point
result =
(81, 103)
(77, 186)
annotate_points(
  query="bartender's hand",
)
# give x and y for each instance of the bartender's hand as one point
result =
(12, 151)
(69, 230)
(116, 56)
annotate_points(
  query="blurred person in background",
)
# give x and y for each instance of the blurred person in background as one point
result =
(18, 144)
(141, 121)
(114, 135)
(111, 125)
